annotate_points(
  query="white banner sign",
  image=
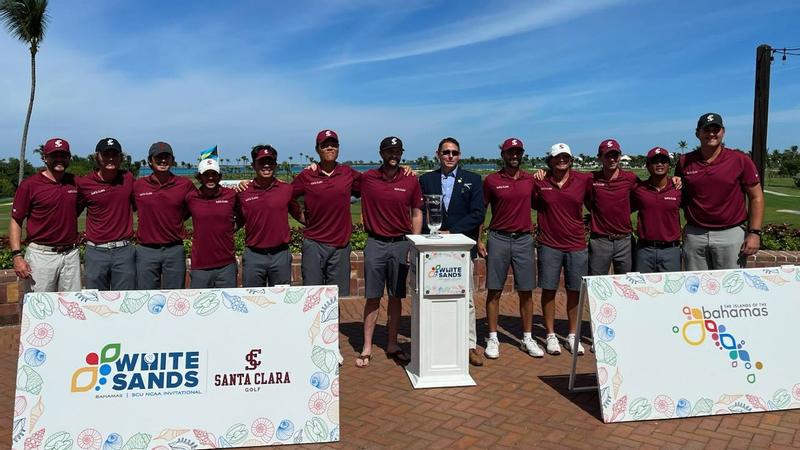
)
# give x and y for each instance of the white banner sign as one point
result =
(178, 370)
(695, 343)
(446, 272)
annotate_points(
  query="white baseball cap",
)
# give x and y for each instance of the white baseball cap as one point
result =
(560, 148)
(208, 164)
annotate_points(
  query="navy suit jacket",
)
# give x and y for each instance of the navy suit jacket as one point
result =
(466, 210)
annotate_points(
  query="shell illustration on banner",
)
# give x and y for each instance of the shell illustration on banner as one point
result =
(775, 279)
(236, 433)
(602, 289)
(673, 283)
(616, 382)
(692, 284)
(313, 299)
(702, 407)
(605, 353)
(318, 402)
(625, 291)
(58, 441)
(138, 441)
(156, 303)
(733, 283)
(285, 430)
(709, 284)
(29, 380)
(40, 305)
(113, 442)
(294, 295)
(183, 443)
(42, 335)
(17, 430)
(330, 333)
(36, 413)
(324, 359)
(205, 438)
(727, 399)
(664, 405)
(635, 278)
(35, 357)
(259, 300)
(648, 290)
(100, 310)
(263, 428)
(607, 313)
(313, 331)
(335, 387)
(133, 301)
(89, 439)
(605, 396)
(605, 333)
(320, 380)
(796, 391)
(653, 278)
(683, 408)
(757, 402)
(602, 376)
(234, 302)
(333, 412)
(618, 410)
(316, 430)
(20, 405)
(780, 399)
(330, 311)
(111, 296)
(177, 306)
(25, 323)
(640, 408)
(755, 281)
(207, 303)
(170, 434)
(35, 440)
(87, 296)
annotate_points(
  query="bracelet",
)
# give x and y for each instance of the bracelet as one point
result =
(15, 253)
(754, 231)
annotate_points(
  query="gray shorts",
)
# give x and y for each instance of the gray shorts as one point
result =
(261, 269)
(385, 266)
(518, 252)
(110, 269)
(705, 249)
(324, 265)
(604, 253)
(654, 259)
(162, 267)
(221, 277)
(52, 271)
(575, 264)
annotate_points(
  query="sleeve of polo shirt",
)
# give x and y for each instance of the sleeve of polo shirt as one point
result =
(679, 166)
(634, 198)
(588, 195)
(22, 202)
(355, 189)
(238, 212)
(749, 174)
(127, 176)
(487, 193)
(294, 209)
(298, 187)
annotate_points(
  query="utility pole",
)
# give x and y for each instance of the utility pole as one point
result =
(761, 109)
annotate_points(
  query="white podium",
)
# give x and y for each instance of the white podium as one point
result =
(442, 274)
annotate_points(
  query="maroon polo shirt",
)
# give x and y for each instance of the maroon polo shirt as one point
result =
(714, 192)
(266, 213)
(659, 211)
(386, 203)
(610, 203)
(213, 222)
(326, 203)
(109, 206)
(510, 200)
(560, 211)
(51, 209)
(161, 209)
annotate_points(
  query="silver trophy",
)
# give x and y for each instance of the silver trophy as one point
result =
(433, 209)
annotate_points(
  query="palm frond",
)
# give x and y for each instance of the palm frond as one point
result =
(25, 20)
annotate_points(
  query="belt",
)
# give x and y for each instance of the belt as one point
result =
(659, 244)
(611, 237)
(53, 248)
(113, 244)
(386, 238)
(269, 250)
(157, 246)
(511, 234)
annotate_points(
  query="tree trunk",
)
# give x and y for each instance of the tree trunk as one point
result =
(27, 117)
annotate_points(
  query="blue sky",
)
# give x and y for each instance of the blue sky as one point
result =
(239, 73)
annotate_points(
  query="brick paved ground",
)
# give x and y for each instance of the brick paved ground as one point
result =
(519, 402)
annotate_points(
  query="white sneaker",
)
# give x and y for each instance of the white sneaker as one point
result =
(530, 346)
(571, 343)
(492, 348)
(553, 347)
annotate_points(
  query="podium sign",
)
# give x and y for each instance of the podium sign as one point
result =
(441, 272)
(178, 369)
(694, 343)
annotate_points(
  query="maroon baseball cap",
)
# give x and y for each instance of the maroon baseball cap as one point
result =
(512, 143)
(264, 151)
(56, 145)
(657, 151)
(608, 145)
(324, 135)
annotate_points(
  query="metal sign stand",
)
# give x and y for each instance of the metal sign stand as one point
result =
(572, 374)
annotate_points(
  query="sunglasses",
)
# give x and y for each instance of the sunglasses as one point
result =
(451, 152)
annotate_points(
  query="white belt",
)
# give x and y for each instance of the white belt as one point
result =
(114, 244)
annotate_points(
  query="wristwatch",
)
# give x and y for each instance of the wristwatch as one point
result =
(15, 253)
(754, 231)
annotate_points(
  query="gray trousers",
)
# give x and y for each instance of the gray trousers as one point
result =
(603, 253)
(221, 277)
(654, 259)
(110, 269)
(266, 269)
(712, 249)
(160, 268)
(323, 264)
(53, 272)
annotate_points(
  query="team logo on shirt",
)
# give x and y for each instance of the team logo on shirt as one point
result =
(221, 201)
(99, 191)
(145, 193)
(250, 199)
(505, 186)
(315, 182)
(671, 198)
(399, 189)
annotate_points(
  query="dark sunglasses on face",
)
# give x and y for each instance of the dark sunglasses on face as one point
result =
(329, 145)
(451, 152)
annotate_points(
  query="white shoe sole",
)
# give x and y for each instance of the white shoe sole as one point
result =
(491, 356)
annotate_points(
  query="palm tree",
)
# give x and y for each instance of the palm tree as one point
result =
(26, 20)
(682, 145)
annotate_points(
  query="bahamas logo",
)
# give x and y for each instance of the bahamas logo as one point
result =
(699, 325)
(136, 371)
(439, 271)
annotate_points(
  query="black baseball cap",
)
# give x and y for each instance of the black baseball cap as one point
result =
(108, 144)
(709, 119)
(391, 142)
(159, 148)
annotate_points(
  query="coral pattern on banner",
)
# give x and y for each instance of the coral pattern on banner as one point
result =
(622, 302)
(314, 418)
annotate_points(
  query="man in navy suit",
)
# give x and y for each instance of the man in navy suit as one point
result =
(462, 200)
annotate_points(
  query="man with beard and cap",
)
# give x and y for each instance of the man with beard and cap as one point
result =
(721, 229)
(326, 189)
(658, 202)
(47, 203)
(391, 206)
(213, 209)
(463, 208)
(265, 207)
(509, 193)
(161, 207)
(110, 259)
(559, 199)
